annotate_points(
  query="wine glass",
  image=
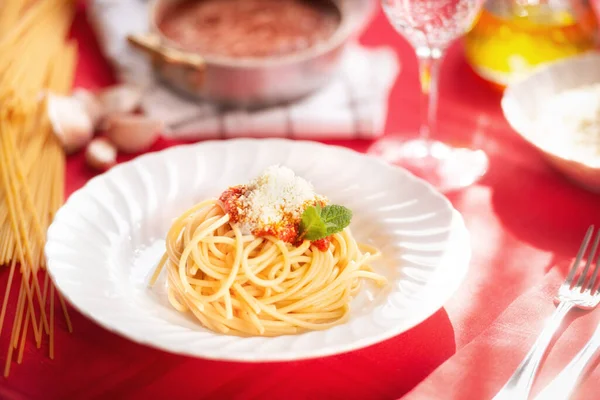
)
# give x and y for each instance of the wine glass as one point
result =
(430, 26)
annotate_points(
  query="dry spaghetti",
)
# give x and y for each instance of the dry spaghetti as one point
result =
(35, 58)
(239, 283)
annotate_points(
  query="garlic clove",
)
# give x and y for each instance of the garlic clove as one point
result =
(91, 103)
(132, 133)
(70, 121)
(120, 99)
(101, 154)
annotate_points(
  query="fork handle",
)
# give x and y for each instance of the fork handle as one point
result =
(562, 386)
(519, 384)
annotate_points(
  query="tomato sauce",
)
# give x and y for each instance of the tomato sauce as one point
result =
(322, 244)
(249, 28)
(230, 199)
(288, 232)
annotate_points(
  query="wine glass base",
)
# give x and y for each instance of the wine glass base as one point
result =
(445, 167)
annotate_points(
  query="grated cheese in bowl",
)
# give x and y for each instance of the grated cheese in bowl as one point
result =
(568, 124)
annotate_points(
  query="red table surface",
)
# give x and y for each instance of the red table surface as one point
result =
(522, 216)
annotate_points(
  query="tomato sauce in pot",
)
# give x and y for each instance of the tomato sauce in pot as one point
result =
(249, 28)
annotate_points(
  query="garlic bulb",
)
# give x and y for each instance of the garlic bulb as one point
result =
(91, 103)
(70, 121)
(132, 133)
(120, 99)
(101, 154)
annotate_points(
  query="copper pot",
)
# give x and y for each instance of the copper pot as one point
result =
(246, 82)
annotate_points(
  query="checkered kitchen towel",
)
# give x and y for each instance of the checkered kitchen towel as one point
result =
(353, 105)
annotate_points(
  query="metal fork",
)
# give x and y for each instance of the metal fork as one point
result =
(578, 295)
(562, 386)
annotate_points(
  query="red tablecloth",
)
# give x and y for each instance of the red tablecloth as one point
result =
(522, 216)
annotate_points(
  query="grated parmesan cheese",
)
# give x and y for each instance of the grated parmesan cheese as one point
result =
(274, 199)
(568, 124)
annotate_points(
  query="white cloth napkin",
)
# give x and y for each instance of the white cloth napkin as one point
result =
(352, 105)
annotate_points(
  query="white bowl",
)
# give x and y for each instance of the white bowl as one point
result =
(522, 102)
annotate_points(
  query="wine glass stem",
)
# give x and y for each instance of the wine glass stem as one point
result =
(429, 68)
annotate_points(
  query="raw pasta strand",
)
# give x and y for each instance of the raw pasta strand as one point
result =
(23, 337)
(20, 303)
(7, 292)
(44, 298)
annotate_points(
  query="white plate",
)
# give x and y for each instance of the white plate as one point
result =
(106, 240)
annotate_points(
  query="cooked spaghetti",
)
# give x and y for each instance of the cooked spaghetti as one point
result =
(234, 265)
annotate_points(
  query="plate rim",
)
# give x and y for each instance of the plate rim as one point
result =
(457, 227)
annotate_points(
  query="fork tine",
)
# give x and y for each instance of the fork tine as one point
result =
(595, 274)
(584, 245)
(590, 258)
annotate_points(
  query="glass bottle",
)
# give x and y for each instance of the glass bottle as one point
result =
(511, 37)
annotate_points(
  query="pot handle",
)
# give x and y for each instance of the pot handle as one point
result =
(152, 45)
